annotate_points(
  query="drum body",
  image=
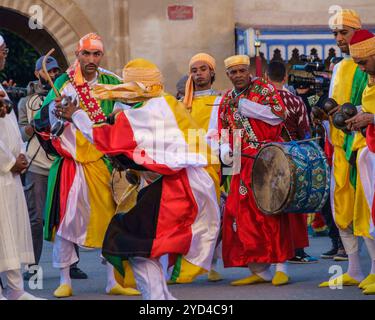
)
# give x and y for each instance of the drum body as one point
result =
(123, 192)
(292, 177)
(126, 185)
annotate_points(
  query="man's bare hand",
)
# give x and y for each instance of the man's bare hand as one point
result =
(359, 121)
(318, 116)
(20, 165)
(29, 130)
(66, 112)
(9, 83)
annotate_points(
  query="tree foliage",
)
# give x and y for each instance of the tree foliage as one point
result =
(21, 60)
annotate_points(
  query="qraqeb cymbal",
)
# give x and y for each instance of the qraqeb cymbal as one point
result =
(339, 119)
(329, 105)
(349, 109)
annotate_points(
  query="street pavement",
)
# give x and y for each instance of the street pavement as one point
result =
(304, 280)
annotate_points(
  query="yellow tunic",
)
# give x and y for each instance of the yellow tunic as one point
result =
(205, 113)
(349, 205)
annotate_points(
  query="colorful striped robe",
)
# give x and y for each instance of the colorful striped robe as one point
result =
(177, 213)
(79, 203)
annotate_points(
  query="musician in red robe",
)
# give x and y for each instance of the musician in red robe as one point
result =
(251, 239)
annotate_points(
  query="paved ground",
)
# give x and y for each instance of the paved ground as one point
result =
(305, 279)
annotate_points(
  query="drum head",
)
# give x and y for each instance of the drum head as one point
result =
(271, 179)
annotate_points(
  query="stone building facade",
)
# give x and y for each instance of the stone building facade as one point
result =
(168, 32)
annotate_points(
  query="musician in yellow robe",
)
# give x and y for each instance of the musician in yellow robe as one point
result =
(202, 101)
(349, 205)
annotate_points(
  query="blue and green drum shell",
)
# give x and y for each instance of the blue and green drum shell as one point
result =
(291, 177)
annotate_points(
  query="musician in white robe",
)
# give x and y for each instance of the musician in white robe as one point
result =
(16, 246)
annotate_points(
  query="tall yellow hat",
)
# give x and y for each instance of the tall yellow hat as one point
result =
(236, 61)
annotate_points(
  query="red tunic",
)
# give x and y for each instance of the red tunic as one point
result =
(249, 236)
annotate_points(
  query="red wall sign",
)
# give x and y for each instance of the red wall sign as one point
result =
(180, 12)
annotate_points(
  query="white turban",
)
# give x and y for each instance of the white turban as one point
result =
(2, 41)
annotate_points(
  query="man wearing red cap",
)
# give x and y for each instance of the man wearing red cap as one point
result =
(362, 49)
(79, 203)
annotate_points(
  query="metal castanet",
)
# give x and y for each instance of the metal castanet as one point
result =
(329, 105)
(339, 122)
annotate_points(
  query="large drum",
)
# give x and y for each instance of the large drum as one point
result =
(291, 177)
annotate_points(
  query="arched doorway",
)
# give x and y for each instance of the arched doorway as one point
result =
(25, 47)
(67, 21)
(21, 59)
(64, 23)
(39, 39)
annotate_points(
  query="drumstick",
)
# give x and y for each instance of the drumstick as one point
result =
(266, 142)
(301, 141)
(44, 66)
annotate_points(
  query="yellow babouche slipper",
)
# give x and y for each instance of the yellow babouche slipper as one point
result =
(370, 279)
(344, 280)
(214, 276)
(117, 290)
(254, 279)
(63, 291)
(370, 289)
(280, 279)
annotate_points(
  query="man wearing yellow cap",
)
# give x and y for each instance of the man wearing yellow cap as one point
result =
(349, 206)
(362, 50)
(203, 102)
(79, 203)
(250, 238)
(176, 211)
